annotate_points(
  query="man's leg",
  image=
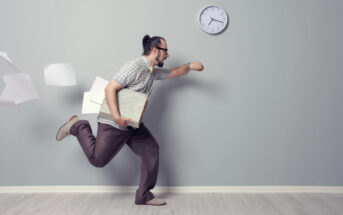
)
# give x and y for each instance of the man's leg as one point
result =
(144, 144)
(104, 147)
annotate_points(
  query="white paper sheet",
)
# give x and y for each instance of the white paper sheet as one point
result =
(59, 74)
(97, 92)
(93, 99)
(8, 60)
(5, 57)
(18, 89)
(18, 86)
(88, 106)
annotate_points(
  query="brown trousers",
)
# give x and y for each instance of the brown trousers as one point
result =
(101, 149)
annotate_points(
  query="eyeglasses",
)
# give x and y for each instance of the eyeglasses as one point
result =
(159, 48)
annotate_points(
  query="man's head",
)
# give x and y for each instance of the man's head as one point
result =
(155, 48)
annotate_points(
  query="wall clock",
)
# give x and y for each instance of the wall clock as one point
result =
(213, 19)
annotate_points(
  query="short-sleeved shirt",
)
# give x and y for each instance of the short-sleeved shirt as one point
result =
(135, 75)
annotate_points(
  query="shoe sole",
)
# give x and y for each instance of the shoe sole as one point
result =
(71, 118)
(156, 204)
(144, 204)
(152, 204)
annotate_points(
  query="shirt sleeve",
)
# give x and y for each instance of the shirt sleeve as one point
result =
(161, 73)
(126, 74)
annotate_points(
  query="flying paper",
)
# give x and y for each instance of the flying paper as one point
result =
(97, 92)
(18, 89)
(93, 99)
(60, 74)
(8, 60)
(5, 57)
(18, 86)
(89, 106)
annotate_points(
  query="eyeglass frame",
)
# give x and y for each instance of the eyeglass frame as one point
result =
(159, 48)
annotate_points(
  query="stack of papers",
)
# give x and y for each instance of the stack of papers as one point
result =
(131, 105)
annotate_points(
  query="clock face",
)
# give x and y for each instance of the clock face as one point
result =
(213, 19)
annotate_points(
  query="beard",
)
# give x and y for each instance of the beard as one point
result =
(160, 64)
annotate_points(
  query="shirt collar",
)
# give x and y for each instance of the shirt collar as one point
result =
(146, 61)
(147, 64)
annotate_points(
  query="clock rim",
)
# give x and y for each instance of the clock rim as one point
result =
(226, 15)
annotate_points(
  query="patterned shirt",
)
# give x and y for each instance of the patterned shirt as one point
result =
(135, 75)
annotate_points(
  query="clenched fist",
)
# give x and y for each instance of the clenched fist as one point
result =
(196, 66)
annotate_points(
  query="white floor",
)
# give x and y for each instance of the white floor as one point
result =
(207, 204)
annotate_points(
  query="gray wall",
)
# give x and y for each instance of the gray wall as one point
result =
(267, 110)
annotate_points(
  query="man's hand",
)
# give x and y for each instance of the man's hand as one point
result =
(122, 121)
(196, 66)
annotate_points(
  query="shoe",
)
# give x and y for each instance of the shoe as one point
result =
(65, 128)
(155, 202)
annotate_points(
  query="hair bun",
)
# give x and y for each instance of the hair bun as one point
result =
(146, 38)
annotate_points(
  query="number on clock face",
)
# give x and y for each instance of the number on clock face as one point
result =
(213, 19)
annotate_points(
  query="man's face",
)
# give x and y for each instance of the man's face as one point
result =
(162, 53)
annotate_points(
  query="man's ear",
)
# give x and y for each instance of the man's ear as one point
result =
(154, 51)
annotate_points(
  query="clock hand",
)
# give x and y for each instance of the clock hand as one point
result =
(218, 20)
(211, 20)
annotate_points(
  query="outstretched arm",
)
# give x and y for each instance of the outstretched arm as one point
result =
(184, 69)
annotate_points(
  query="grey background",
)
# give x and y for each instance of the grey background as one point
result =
(267, 109)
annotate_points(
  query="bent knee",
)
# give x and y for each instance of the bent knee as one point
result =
(98, 163)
